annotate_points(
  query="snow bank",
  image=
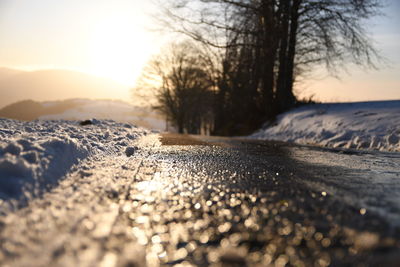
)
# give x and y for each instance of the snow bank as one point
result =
(363, 125)
(35, 155)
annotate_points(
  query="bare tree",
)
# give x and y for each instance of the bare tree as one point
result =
(263, 42)
(182, 87)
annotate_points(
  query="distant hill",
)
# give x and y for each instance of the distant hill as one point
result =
(82, 109)
(45, 85)
(28, 110)
(6, 72)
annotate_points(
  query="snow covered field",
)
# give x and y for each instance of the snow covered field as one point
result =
(83, 109)
(35, 155)
(108, 109)
(363, 125)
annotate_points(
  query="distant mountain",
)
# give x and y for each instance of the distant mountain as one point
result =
(6, 72)
(28, 110)
(82, 109)
(45, 85)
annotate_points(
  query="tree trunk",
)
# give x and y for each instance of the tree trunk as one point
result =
(294, 23)
(269, 48)
(281, 87)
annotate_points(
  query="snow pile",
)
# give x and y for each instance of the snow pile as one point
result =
(363, 125)
(35, 155)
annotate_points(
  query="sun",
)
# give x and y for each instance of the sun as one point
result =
(119, 48)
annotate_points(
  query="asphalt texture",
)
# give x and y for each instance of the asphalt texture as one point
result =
(201, 201)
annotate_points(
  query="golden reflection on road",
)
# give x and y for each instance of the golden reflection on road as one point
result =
(154, 185)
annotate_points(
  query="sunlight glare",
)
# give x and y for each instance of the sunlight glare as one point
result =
(147, 187)
(119, 48)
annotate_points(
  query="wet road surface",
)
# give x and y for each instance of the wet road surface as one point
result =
(199, 201)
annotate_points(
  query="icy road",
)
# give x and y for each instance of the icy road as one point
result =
(196, 201)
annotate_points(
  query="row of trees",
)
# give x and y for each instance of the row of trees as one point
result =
(182, 87)
(249, 54)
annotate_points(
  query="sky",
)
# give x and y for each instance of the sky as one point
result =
(108, 38)
(356, 84)
(113, 39)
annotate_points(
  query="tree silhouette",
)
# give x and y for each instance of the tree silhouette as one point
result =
(182, 88)
(265, 43)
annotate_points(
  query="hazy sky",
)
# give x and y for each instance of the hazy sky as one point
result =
(107, 38)
(111, 38)
(358, 84)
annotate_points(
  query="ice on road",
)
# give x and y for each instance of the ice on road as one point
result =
(212, 201)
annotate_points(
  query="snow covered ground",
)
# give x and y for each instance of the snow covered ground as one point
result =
(35, 155)
(83, 109)
(362, 125)
(116, 110)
